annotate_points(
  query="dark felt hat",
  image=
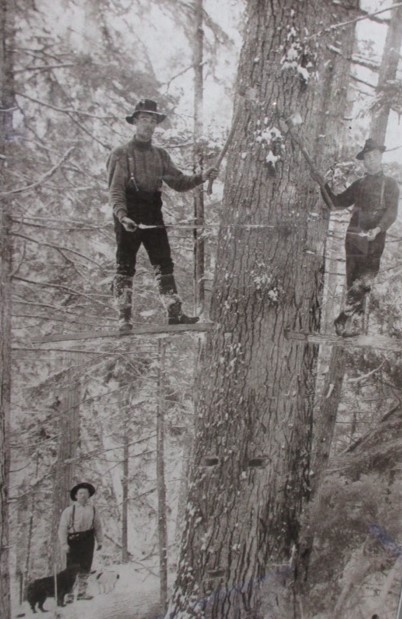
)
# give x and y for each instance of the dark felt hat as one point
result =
(84, 484)
(148, 106)
(368, 147)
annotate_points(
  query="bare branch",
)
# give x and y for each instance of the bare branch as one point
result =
(42, 180)
(65, 110)
(59, 248)
(46, 67)
(66, 288)
(353, 21)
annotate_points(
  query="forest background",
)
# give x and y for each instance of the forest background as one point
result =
(120, 413)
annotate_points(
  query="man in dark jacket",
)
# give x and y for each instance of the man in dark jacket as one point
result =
(375, 208)
(136, 172)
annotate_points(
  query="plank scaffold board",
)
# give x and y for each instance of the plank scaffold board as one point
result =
(138, 331)
(379, 342)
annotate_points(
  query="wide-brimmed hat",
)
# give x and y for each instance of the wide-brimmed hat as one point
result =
(369, 146)
(84, 484)
(148, 106)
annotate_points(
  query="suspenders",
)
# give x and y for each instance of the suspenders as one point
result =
(73, 518)
(131, 166)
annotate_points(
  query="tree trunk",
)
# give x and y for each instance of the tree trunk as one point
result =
(6, 139)
(251, 467)
(160, 477)
(199, 243)
(69, 428)
(387, 73)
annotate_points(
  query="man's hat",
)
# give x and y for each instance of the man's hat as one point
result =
(368, 147)
(84, 484)
(148, 106)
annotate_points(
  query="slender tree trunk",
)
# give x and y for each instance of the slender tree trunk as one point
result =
(6, 139)
(199, 243)
(69, 428)
(160, 476)
(27, 566)
(388, 72)
(126, 455)
(251, 467)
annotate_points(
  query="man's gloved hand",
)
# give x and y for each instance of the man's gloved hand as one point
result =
(128, 224)
(373, 233)
(65, 548)
(210, 174)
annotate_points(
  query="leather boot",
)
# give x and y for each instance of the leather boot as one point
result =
(172, 302)
(122, 293)
(349, 321)
(82, 588)
(176, 315)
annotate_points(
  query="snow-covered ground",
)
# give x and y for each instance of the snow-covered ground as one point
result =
(135, 596)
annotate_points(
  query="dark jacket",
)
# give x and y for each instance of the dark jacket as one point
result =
(375, 200)
(151, 166)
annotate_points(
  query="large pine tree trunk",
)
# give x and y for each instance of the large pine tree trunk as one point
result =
(6, 140)
(250, 474)
(160, 478)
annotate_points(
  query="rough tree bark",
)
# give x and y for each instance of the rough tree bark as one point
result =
(125, 480)
(199, 243)
(160, 477)
(68, 407)
(6, 145)
(250, 473)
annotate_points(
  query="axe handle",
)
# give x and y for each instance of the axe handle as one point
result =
(223, 151)
(307, 157)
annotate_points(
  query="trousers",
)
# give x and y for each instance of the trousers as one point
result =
(81, 552)
(363, 260)
(146, 208)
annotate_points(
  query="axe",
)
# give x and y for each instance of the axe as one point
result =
(223, 151)
(294, 121)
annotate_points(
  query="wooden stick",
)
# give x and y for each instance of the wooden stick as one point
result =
(379, 342)
(223, 151)
(140, 330)
(307, 157)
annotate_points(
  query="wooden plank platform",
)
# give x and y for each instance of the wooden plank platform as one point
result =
(138, 331)
(379, 342)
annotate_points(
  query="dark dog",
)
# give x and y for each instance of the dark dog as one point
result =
(42, 588)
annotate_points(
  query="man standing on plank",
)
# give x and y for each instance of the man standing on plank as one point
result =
(136, 172)
(375, 200)
(79, 526)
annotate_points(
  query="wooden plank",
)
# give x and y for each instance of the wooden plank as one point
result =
(380, 342)
(138, 331)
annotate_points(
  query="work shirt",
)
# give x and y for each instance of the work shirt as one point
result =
(83, 521)
(375, 200)
(152, 166)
